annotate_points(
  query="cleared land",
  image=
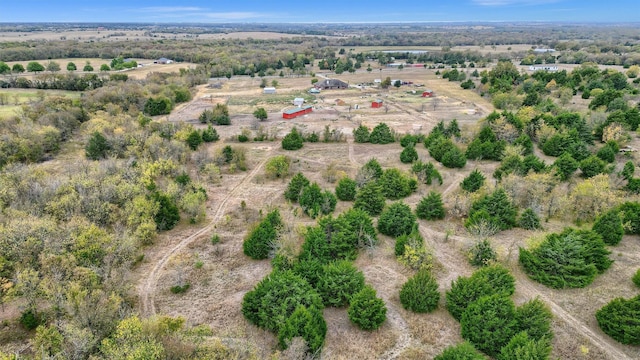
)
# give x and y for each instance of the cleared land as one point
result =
(218, 286)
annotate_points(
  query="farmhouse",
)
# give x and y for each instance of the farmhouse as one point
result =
(295, 112)
(269, 90)
(298, 102)
(376, 103)
(331, 84)
(427, 93)
(163, 61)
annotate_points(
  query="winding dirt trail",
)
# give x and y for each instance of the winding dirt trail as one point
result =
(147, 289)
(525, 286)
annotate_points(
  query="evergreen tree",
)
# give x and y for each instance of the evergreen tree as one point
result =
(168, 214)
(361, 134)
(489, 323)
(381, 134)
(473, 182)
(431, 207)
(97, 146)
(194, 139)
(370, 199)
(367, 310)
(523, 347)
(609, 227)
(308, 324)
(339, 281)
(408, 155)
(565, 166)
(529, 220)
(462, 351)
(420, 293)
(396, 219)
(297, 183)
(620, 319)
(210, 134)
(394, 184)
(346, 189)
(293, 140)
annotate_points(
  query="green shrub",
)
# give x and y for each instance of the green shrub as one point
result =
(462, 351)
(339, 281)
(454, 158)
(431, 207)
(620, 319)
(630, 214)
(607, 154)
(276, 297)
(473, 182)
(426, 172)
(482, 254)
(338, 238)
(609, 227)
(293, 140)
(535, 317)
(261, 239)
(361, 226)
(489, 280)
(397, 219)
(361, 134)
(498, 207)
(489, 323)
(315, 202)
(413, 239)
(306, 323)
(420, 293)
(194, 139)
(370, 199)
(408, 155)
(571, 259)
(381, 134)
(523, 347)
(297, 183)
(168, 214)
(346, 189)
(367, 310)
(158, 106)
(529, 220)
(592, 166)
(179, 289)
(97, 147)
(565, 166)
(394, 184)
(410, 140)
(30, 319)
(636, 278)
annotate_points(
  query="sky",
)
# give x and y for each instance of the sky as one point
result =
(319, 11)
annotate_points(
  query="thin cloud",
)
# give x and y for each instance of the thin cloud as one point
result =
(170, 9)
(513, 2)
(239, 15)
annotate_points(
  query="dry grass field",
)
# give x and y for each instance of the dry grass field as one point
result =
(220, 274)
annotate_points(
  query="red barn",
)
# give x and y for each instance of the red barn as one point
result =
(295, 112)
(427, 93)
(376, 104)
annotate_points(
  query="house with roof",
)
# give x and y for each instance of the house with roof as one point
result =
(331, 84)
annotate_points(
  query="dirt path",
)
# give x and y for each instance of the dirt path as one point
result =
(452, 266)
(148, 287)
(604, 343)
(404, 339)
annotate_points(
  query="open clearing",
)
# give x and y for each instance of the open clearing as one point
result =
(218, 286)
